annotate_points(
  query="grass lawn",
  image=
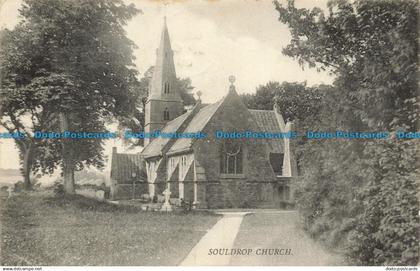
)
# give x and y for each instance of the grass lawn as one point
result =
(40, 229)
(283, 231)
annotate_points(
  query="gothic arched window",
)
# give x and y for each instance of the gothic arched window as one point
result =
(166, 87)
(166, 114)
(231, 160)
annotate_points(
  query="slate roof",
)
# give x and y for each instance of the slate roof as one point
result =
(124, 164)
(267, 122)
(265, 119)
(197, 124)
(155, 147)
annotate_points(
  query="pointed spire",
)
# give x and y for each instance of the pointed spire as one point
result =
(165, 42)
(164, 102)
(199, 93)
(232, 80)
(163, 83)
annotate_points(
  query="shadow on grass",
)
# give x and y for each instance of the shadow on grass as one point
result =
(16, 217)
(89, 204)
(85, 203)
(40, 228)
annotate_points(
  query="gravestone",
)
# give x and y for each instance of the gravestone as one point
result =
(10, 190)
(166, 207)
(100, 195)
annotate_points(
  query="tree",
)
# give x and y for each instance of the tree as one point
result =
(372, 48)
(371, 45)
(144, 85)
(295, 100)
(185, 89)
(263, 99)
(22, 106)
(80, 61)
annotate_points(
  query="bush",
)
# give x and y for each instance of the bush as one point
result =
(58, 188)
(363, 203)
(186, 206)
(387, 233)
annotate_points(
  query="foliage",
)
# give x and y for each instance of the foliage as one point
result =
(185, 88)
(295, 100)
(73, 59)
(23, 108)
(387, 233)
(360, 196)
(58, 188)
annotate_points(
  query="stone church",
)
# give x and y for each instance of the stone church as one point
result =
(210, 172)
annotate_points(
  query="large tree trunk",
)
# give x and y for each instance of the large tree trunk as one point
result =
(68, 157)
(27, 166)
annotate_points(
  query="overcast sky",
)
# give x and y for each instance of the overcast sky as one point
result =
(211, 40)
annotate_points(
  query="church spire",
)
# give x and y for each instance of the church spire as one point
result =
(164, 102)
(163, 83)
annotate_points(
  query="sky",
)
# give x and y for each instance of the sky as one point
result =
(211, 40)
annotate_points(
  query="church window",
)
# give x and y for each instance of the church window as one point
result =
(284, 192)
(166, 87)
(231, 158)
(166, 114)
(276, 161)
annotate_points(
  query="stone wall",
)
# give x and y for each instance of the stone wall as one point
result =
(125, 191)
(174, 188)
(236, 193)
(201, 195)
(188, 191)
(154, 113)
(214, 196)
(253, 187)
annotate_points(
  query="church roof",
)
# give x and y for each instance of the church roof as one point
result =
(267, 122)
(156, 146)
(124, 165)
(196, 120)
(197, 124)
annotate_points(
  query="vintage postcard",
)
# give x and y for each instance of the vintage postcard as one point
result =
(209, 133)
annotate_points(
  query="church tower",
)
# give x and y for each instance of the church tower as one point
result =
(164, 102)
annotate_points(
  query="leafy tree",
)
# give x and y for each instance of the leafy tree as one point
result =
(372, 45)
(185, 89)
(144, 85)
(78, 58)
(22, 107)
(295, 100)
(263, 98)
(372, 48)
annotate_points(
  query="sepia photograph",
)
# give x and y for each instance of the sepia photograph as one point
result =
(246, 133)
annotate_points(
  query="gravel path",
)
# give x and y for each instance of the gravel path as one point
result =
(259, 238)
(222, 235)
(279, 231)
